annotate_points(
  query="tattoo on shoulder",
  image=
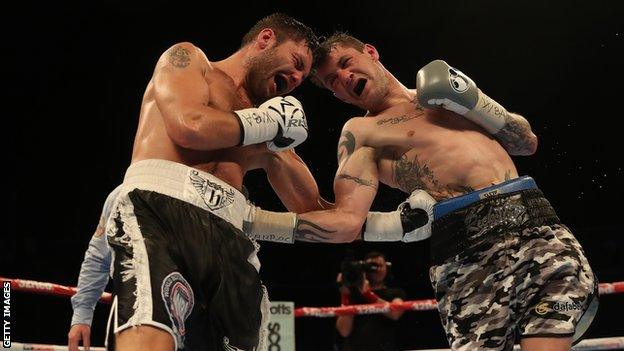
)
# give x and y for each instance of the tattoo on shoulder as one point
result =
(359, 181)
(346, 145)
(311, 232)
(179, 57)
(395, 120)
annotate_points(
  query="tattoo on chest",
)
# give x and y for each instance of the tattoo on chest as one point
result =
(508, 175)
(418, 105)
(311, 232)
(396, 120)
(179, 57)
(410, 174)
(346, 145)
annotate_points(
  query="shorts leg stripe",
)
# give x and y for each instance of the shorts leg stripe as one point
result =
(138, 265)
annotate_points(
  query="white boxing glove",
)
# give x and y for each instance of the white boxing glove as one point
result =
(279, 121)
(410, 222)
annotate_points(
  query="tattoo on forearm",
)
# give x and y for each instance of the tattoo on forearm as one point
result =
(311, 232)
(396, 120)
(360, 181)
(346, 145)
(179, 57)
(514, 135)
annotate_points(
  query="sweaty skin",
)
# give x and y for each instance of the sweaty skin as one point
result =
(186, 118)
(403, 145)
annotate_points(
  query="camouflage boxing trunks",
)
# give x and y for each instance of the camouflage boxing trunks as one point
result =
(504, 268)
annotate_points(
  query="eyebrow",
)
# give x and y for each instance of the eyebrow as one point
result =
(300, 64)
(340, 62)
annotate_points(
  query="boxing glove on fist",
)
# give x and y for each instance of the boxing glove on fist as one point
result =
(439, 84)
(279, 121)
(410, 222)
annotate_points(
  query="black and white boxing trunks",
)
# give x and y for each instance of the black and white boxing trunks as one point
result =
(181, 262)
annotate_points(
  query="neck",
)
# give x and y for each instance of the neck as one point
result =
(397, 93)
(235, 67)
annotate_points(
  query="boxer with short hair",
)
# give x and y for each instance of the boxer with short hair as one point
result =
(184, 273)
(503, 263)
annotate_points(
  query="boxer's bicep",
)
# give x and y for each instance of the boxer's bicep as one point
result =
(179, 82)
(355, 187)
(356, 182)
(182, 95)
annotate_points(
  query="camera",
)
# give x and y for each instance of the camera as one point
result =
(353, 272)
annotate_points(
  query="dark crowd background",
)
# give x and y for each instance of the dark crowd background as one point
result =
(74, 78)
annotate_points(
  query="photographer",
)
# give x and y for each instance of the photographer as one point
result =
(363, 282)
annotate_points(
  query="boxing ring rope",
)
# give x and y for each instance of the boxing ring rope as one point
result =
(416, 305)
(46, 288)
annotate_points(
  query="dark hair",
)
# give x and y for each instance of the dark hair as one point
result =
(285, 28)
(374, 254)
(326, 46)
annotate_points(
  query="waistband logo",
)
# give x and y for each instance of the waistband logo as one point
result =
(214, 195)
(542, 308)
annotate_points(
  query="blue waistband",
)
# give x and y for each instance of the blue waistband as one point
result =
(447, 206)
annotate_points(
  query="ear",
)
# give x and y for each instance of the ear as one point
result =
(265, 38)
(371, 51)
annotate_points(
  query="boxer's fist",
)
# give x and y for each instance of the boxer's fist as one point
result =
(410, 222)
(439, 84)
(292, 125)
(279, 121)
(417, 215)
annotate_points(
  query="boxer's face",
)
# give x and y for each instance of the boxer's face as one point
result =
(278, 69)
(355, 77)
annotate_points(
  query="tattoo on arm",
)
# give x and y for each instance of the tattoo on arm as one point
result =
(360, 181)
(179, 57)
(311, 232)
(513, 135)
(346, 146)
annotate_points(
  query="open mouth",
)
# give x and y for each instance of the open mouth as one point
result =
(359, 86)
(280, 84)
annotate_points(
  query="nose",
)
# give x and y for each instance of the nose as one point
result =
(296, 78)
(345, 76)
